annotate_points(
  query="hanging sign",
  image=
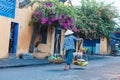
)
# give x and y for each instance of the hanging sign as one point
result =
(7, 8)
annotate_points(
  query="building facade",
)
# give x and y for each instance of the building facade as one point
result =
(16, 34)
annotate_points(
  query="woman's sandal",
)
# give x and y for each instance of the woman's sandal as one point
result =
(67, 67)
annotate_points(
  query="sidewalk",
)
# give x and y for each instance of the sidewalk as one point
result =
(4, 63)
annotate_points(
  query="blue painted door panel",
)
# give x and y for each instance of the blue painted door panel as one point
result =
(15, 39)
(91, 45)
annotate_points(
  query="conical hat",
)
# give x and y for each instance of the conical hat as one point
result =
(68, 32)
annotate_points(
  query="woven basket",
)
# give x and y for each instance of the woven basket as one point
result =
(78, 55)
(56, 59)
(80, 60)
(80, 63)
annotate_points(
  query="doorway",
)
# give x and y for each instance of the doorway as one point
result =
(13, 39)
(57, 40)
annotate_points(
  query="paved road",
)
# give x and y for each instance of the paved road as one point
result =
(99, 69)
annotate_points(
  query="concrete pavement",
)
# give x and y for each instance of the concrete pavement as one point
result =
(106, 68)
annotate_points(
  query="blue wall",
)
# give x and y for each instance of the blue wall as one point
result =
(91, 45)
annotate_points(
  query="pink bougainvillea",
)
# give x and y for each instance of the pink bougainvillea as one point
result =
(48, 13)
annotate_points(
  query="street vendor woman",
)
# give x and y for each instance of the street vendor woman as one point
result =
(69, 46)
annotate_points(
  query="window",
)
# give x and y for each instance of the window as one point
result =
(63, 0)
(23, 3)
(43, 33)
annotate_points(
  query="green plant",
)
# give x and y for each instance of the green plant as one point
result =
(95, 19)
(53, 13)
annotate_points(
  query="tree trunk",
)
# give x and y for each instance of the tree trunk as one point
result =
(38, 42)
(33, 39)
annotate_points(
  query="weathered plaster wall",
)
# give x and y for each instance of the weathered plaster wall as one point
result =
(22, 17)
(4, 36)
(45, 48)
(103, 45)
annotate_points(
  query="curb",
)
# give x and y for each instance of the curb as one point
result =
(6, 63)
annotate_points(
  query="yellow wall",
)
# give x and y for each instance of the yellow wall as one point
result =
(4, 36)
(45, 48)
(22, 17)
(103, 45)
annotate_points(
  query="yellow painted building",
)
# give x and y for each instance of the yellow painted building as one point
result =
(23, 37)
(22, 18)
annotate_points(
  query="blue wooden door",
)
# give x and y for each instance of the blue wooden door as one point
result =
(15, 38)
